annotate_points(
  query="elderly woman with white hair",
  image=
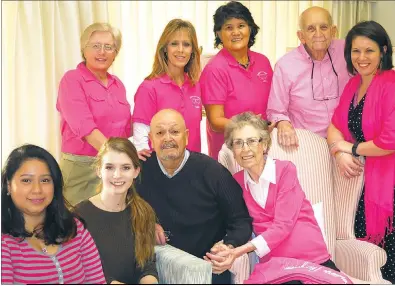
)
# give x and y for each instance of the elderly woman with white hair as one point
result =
(93, 107)
(283, 218)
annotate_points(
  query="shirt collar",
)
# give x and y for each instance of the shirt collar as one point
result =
(166, 79)
(268, 174)
(232, 61)
(186, 156)
(302, 50)
(89, 76)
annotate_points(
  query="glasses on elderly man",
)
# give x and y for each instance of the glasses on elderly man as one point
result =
(251, 142)
(98, 46)
(320, 96)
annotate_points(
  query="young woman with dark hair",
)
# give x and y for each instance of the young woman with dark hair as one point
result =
(364, 125)
(236, 79)
(42, 240)
(121, 222)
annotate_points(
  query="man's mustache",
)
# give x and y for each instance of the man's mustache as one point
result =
(168, 145)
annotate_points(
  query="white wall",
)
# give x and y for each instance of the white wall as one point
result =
(383, 12)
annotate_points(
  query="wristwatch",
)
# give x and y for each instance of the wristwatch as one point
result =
(354, 149)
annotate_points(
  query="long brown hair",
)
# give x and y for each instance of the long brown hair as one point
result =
(160, 67)
(142, 215)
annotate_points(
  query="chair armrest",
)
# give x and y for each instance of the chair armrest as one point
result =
(361, 259)
(240, 269)
(179, 267)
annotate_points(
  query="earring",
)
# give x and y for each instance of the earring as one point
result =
(192, 55)
(8, 193)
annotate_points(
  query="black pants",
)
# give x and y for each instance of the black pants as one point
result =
(223, 278)
(329, 263)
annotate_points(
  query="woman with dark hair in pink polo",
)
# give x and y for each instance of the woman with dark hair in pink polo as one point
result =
(173, 83)
(236, 79)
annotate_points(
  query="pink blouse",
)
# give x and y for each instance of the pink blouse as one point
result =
(85, 104)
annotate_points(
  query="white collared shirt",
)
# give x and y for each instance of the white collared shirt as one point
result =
(259, 192)
(186, 156)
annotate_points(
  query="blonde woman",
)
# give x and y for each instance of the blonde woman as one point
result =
(119, 220)
(93, 106)
(173, 83)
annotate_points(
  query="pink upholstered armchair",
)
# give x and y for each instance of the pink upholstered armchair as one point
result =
(322, 182)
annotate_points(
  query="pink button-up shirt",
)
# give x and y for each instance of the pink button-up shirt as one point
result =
(85, 104)
(291, 96)
(224, 81)
(161, 93)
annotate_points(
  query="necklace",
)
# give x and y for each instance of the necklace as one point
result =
(120, 208)
(43, 248)
(246, 64)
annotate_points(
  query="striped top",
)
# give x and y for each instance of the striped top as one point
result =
(76, 262)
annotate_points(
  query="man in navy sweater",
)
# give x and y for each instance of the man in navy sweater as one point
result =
(195, 198)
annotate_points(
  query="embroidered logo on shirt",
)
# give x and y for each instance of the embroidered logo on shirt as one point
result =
(196, 102)
(262, 75)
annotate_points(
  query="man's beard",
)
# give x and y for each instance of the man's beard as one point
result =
(173, 155)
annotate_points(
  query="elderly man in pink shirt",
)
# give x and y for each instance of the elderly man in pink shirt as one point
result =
(308, 81)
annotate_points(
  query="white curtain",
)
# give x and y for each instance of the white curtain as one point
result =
(41, 42)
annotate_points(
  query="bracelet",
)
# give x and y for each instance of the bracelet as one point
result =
(354, 149)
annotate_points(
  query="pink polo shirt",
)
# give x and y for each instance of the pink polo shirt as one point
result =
(291, 96)
(162, 93)
(224, 81)
(85, 104)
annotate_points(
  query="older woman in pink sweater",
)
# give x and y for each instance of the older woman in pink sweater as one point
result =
(283, 218)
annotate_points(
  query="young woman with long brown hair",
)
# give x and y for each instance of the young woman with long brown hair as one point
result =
(119, 220)
(173, 83)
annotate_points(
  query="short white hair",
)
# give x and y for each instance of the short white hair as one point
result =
(100, 27)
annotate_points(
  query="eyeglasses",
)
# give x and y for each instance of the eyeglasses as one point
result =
(329, 97)
(251, 142)
(98, 46)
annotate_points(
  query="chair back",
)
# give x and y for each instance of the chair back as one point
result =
(314, 165)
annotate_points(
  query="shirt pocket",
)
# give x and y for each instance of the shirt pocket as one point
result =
(123, 100)
(98, 103)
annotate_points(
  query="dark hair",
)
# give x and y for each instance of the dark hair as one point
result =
(376, 33)
(59, 225)
(236, 10)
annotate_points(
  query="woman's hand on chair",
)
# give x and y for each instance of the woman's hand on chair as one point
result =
(349, 166)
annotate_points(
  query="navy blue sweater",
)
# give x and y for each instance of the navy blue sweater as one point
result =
(200, 205)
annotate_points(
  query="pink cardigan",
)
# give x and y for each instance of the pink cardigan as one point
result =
(287, 222)
(378, 124)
